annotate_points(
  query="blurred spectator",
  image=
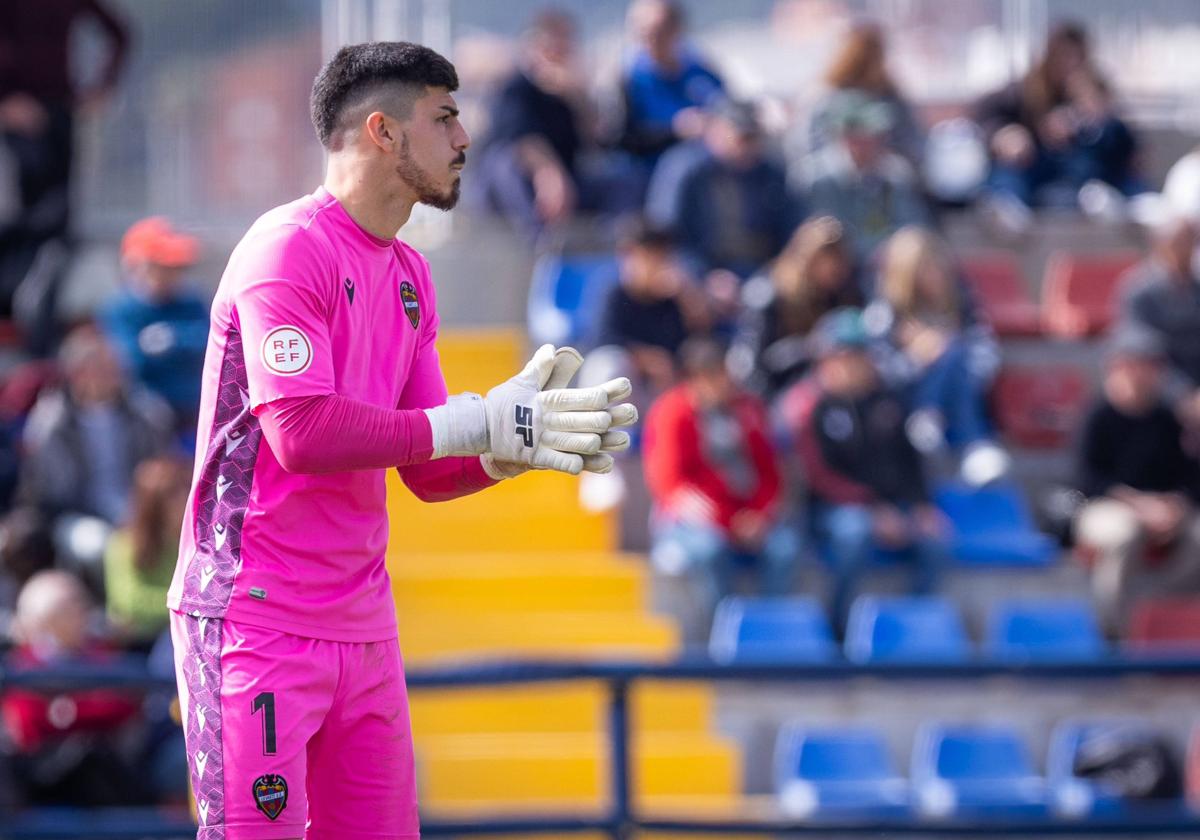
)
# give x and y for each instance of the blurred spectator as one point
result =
(725, 199)
(84, 439)
(665, 85)
(157, 324)
(712, 471)
(867, 488)
(814, 275)
(1056, 130)
(1162, 295)
(140, 557)
(26, 548)
(859, 69)
(647, 316)
(1141, 483)
(69, 747)
(857, 179)
(937, 350)
(38, 99)
(533, 168)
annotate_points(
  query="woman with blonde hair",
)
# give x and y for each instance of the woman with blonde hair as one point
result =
(935, 346)
(813, 275)
(859, 69)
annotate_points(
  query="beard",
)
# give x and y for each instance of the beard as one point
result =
(421, 183)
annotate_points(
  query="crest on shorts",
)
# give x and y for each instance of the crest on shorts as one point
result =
(412, 306)
(270, 794)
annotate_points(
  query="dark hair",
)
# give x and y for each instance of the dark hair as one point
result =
(638, 232)
(702, 354)
(360, 70)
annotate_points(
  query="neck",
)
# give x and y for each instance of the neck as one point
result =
(353, 183)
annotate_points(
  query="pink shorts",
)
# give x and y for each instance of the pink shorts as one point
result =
(293, 737)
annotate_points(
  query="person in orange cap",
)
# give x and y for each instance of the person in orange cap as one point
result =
(158, 323)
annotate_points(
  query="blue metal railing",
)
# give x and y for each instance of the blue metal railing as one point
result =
(621, 820)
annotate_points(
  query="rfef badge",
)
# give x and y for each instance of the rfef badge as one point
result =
(412, 306)
(270, 794)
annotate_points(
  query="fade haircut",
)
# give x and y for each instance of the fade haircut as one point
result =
(385, 76)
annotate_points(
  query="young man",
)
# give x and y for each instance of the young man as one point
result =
(321, 373)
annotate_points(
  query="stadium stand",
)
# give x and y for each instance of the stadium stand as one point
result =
(1053, 629)
(566, 294)
(771, 629)
(1080, 291)
(993, 525)
(918, 629)
(1040, 407)
(1003, 293)
(1165, 625)
(1075, 795)
(975, 769)
(828, 772)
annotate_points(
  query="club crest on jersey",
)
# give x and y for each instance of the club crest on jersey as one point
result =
(270, 794)
(412, 306)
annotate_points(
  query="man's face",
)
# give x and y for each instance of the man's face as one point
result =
(157, 282)
(732, 144)
(97, 378)
(651, 270)
(656, 29)
(433, 150)
(1133, 384)
(864, 147)
(848, 373)
(1177, 247)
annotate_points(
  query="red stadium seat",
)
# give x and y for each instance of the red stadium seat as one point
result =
(1165, 623)
(1002, 293)
(1080, 291)
(1040, 407)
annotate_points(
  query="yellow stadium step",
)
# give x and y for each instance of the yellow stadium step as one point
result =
(538, 512)
(505, 584)
(570, 770)
(478, 359)
(426, 637)
(578, 707)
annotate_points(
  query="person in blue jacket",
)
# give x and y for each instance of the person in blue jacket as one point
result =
(157, 323)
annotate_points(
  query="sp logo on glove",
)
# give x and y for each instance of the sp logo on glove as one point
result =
(525, 425)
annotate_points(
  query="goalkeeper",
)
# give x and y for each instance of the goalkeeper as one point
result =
(321, 373)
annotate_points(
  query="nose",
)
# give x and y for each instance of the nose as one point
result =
(462, 140)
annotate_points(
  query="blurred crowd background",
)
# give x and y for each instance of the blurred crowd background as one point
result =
(901, 283)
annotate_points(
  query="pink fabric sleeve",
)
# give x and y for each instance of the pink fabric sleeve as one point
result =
(332, 433)
(445, 478)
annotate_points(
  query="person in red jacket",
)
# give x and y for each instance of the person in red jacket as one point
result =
(64, 744)
(715, 479)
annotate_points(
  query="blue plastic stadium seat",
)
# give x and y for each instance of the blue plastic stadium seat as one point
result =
(912, 629)
(1044, 629)
(1075, 796)
(993, 526)
(974, 771)
(770, 630)
(566, 296)
(838, 772)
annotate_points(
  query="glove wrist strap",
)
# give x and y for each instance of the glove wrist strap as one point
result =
(459, 427)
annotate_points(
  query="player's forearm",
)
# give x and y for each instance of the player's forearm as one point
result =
(446, 478)
(332, 433)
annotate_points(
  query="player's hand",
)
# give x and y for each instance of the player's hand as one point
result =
(567, 364)
(520, 423)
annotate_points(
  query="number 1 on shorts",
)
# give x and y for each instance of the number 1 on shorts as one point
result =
(266, 702)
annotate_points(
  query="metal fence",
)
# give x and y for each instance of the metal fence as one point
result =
(621, 819)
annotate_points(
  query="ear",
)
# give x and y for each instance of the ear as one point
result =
(382, 130)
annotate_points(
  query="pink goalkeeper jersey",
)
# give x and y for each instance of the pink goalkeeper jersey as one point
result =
(310, 304)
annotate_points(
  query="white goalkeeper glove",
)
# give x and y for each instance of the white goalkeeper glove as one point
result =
(521, 424)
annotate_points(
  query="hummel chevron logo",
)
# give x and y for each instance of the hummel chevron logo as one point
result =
(207, 575)
(222, 485)
(219, 534)
(233, 442)
(202, 807)
(349, 286)
(525, 424)
(201, 762)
